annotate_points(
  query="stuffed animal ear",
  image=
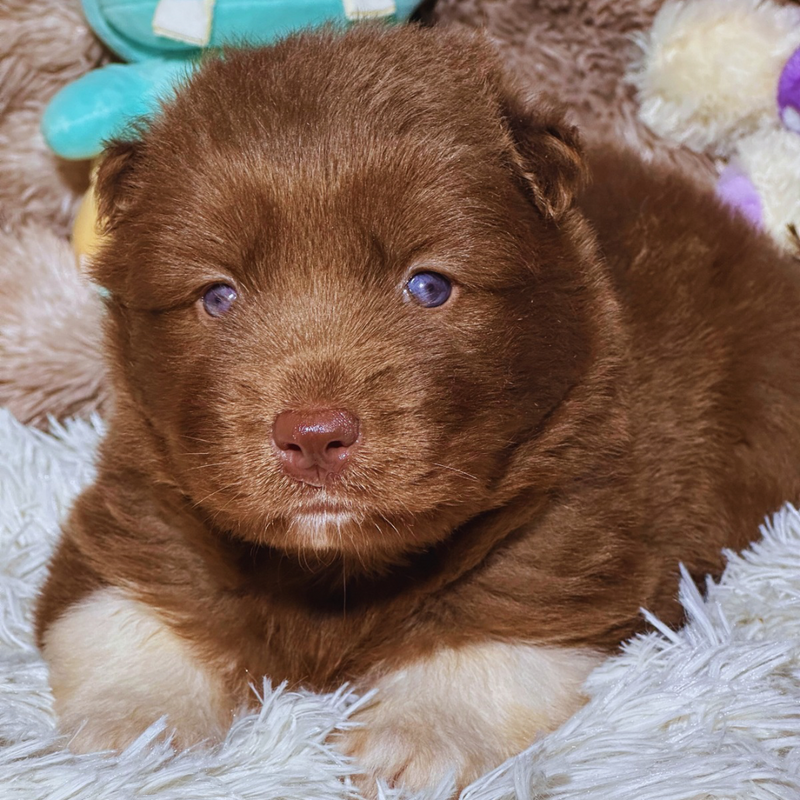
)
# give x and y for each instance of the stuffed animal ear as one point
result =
(547, 155)
(114, 182)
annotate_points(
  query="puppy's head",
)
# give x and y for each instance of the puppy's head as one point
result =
(347, 288)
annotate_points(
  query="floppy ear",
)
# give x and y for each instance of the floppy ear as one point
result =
(547, 155)
(115, 185)
(115, 182)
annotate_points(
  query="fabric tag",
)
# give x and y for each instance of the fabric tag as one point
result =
(186, 21)
(368, 9)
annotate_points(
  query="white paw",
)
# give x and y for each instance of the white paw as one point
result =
(116, 668)
(413, 750)
(461, 712)
(97, 733)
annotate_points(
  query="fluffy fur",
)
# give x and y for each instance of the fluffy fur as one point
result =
(613, 387)
(43, 45)
(707, 711)
(50, 360)
(50, 329)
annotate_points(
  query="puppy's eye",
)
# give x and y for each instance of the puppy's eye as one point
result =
(429, 289)
(219, 299)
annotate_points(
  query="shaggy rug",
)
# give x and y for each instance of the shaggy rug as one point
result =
(710, 711)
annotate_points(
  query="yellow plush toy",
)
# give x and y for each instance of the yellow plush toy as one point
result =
(86, 235)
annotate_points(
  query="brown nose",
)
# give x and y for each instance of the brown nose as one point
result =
(313, 446)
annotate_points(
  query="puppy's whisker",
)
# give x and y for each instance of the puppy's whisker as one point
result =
(459, 471)
(198, 439)
(389, 523)
(225, 488)
(206, 466)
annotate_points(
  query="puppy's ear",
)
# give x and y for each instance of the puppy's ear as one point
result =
(546, 154)
(115, 182)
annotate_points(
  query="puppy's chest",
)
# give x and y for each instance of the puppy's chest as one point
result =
(316, 634)
(318, 648)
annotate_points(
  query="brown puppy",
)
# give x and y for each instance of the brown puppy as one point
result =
(389, 409)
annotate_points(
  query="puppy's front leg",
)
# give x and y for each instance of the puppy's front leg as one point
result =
(115, 668)
(464, 711)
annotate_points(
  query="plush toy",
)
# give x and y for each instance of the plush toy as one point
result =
(101, 103)
(723, 77)
(163, 39)
(86, 234)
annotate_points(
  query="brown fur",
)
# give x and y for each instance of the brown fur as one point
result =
(613, 388)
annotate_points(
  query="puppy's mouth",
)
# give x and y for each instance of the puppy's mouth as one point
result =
(322, 519)
(331, 523)
(325, 514)
(324, 526)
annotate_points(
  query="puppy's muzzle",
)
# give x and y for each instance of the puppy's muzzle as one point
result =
(315, 446)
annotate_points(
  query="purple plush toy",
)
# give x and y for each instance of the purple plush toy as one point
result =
(736, 190)
(789, 93)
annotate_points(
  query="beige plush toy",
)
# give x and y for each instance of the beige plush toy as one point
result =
(50, 317)
(723, 77)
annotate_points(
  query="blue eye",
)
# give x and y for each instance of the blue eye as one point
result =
(219, 299)
(429, 289)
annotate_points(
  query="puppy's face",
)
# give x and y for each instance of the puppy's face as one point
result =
(341, 301)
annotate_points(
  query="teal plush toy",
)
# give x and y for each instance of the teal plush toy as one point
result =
(162, 39)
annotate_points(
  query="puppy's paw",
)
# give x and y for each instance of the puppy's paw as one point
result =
(413, 750)
(460, 712)
(95, 732)
(116, 668)
(106, 723)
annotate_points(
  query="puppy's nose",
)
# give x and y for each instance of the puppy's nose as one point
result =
(313, 446)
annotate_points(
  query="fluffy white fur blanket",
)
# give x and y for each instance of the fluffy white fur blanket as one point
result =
(711, 711)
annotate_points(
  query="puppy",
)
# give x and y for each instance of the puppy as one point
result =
(399, 403)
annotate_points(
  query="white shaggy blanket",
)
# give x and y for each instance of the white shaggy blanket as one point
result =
(712, 711)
